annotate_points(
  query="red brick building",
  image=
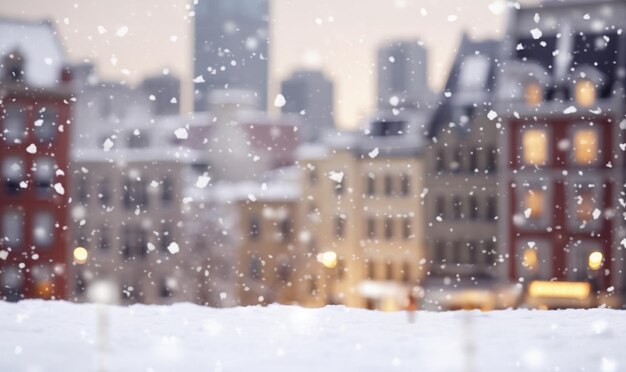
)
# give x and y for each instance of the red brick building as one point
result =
(35, 103)
(560, 103)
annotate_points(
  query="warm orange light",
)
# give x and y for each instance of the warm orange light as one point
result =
(80, 255)
(573, 290)
(328, 259)
(534, 201)
(535, 146)
(533, 94)
(595, 260)
(586, 146)
(584, 210)
(530, 258)
(585, 93)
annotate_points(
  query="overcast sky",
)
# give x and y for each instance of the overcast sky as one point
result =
(339, 36)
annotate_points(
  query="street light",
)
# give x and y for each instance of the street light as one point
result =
(595, 260)
(328, 259)
(80, 255)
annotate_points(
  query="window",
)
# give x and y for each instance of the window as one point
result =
(43, 229)
(457, 207)
(371, 185)
(492, 162)
(104, 243)
(14, 124)
(44, 176)
(585, 146)
(341, 268)
(533, 94)
(104, 192)
(440, 207)
(255, 268)
(254, 228)
(82, 191)
(457, 162)
(405, 185)
(388, 185)
(492, 208)
(535, 147)
(371, 228)
(534, 259)
(440, 252)
(473, 160)
(45, 126)
(166, 237)
(283, 272)
(12, 174)
(135, 194)
(406, 228)
(340, 226)
(389, 270)
(441, 161)
(584, 257)
(312, 176)
(388, 228)
(534, 203)
(371, 270)
(12, 228)
(472, 253)
(285, 229)
(406, 272)
(167, 191)
(585, 93)
(473, 207)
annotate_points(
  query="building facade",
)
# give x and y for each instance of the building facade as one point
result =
(231, 39)
(561, 102)
(35, 122)
(361, 221)
(163, 93)
(309, 95)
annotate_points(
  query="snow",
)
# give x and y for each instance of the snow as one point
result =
(54, 336)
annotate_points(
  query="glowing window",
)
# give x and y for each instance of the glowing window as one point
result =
(534, 203)
(585, 146)
(529, 259)
(585, 93)
(535, 147)
(533, 94)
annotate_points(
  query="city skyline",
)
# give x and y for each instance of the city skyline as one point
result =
(329, 36)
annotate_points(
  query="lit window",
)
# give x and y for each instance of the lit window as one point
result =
(13, 128)
(586, 146)
(43, 229)
(534, 204)
(535, 146)
(529, 259)
(12, 228)
(533, 94)
(585, 93)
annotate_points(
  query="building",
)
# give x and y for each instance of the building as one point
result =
(128, 223)
(403, 75)
(462, 182)
(360, 216)
(561, 170)
(309, 94)
(35, 103)
(163, 93)
(231, 40)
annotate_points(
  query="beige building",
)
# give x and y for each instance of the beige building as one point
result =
(360, 217)
(126, 213)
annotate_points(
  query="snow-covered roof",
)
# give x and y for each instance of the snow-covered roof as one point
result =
(39, 45)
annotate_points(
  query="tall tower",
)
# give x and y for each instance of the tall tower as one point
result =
(231, 48)
(403, 74)
(309, 93)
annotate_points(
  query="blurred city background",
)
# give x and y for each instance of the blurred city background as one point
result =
(386, 155)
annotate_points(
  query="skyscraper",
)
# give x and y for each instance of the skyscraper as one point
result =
(403, 75)
(309, 94)
(231, 48)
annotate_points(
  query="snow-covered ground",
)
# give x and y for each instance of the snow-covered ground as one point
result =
(60, 336)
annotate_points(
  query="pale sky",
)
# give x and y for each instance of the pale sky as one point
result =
(338, 36)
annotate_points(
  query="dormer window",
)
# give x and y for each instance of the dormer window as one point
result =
(14, 66)
(533, 94)
(585, 93)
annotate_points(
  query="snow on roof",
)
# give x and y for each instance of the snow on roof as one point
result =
(149, 154)
(40, 47)
(187, 337)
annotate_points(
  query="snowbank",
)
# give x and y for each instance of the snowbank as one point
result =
(60, 336)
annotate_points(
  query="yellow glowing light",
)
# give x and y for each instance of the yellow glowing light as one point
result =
(80, 255)
(573, 290)
(530, 258)
(585, 93)
(586, 146)
(533, 93)
(535, 146)
(595, 260)
(328, 259)
(534, 201)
